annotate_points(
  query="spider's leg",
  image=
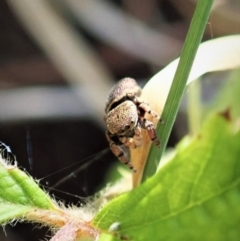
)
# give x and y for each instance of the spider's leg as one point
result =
(128, 141)
(147, 109)
(137, 135)
(134, 141)
(148, 125)
(142, 106)
(119, 153)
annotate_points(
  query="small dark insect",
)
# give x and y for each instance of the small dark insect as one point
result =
(6, 153)
(125, 116)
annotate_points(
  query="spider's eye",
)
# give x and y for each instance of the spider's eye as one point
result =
(127, 127)
(120, 131)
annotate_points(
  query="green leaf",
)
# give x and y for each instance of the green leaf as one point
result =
(19, 193)
(108, 237)
(10, 211)
(195, 196)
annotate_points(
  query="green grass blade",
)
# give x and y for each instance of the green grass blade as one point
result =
(189, 51)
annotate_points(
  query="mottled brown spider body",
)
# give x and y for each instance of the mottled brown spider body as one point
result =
(125, 116)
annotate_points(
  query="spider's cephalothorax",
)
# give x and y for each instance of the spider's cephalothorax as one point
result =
(125, 116)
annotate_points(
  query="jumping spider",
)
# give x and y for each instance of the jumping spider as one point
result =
(125, 116)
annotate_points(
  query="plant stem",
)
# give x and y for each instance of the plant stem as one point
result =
(193, 39)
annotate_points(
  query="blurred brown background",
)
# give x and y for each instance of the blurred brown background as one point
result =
(59, 59)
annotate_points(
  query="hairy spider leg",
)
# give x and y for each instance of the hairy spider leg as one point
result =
(148, 125)
(135, 141)
(144, 108)
(119, 153)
